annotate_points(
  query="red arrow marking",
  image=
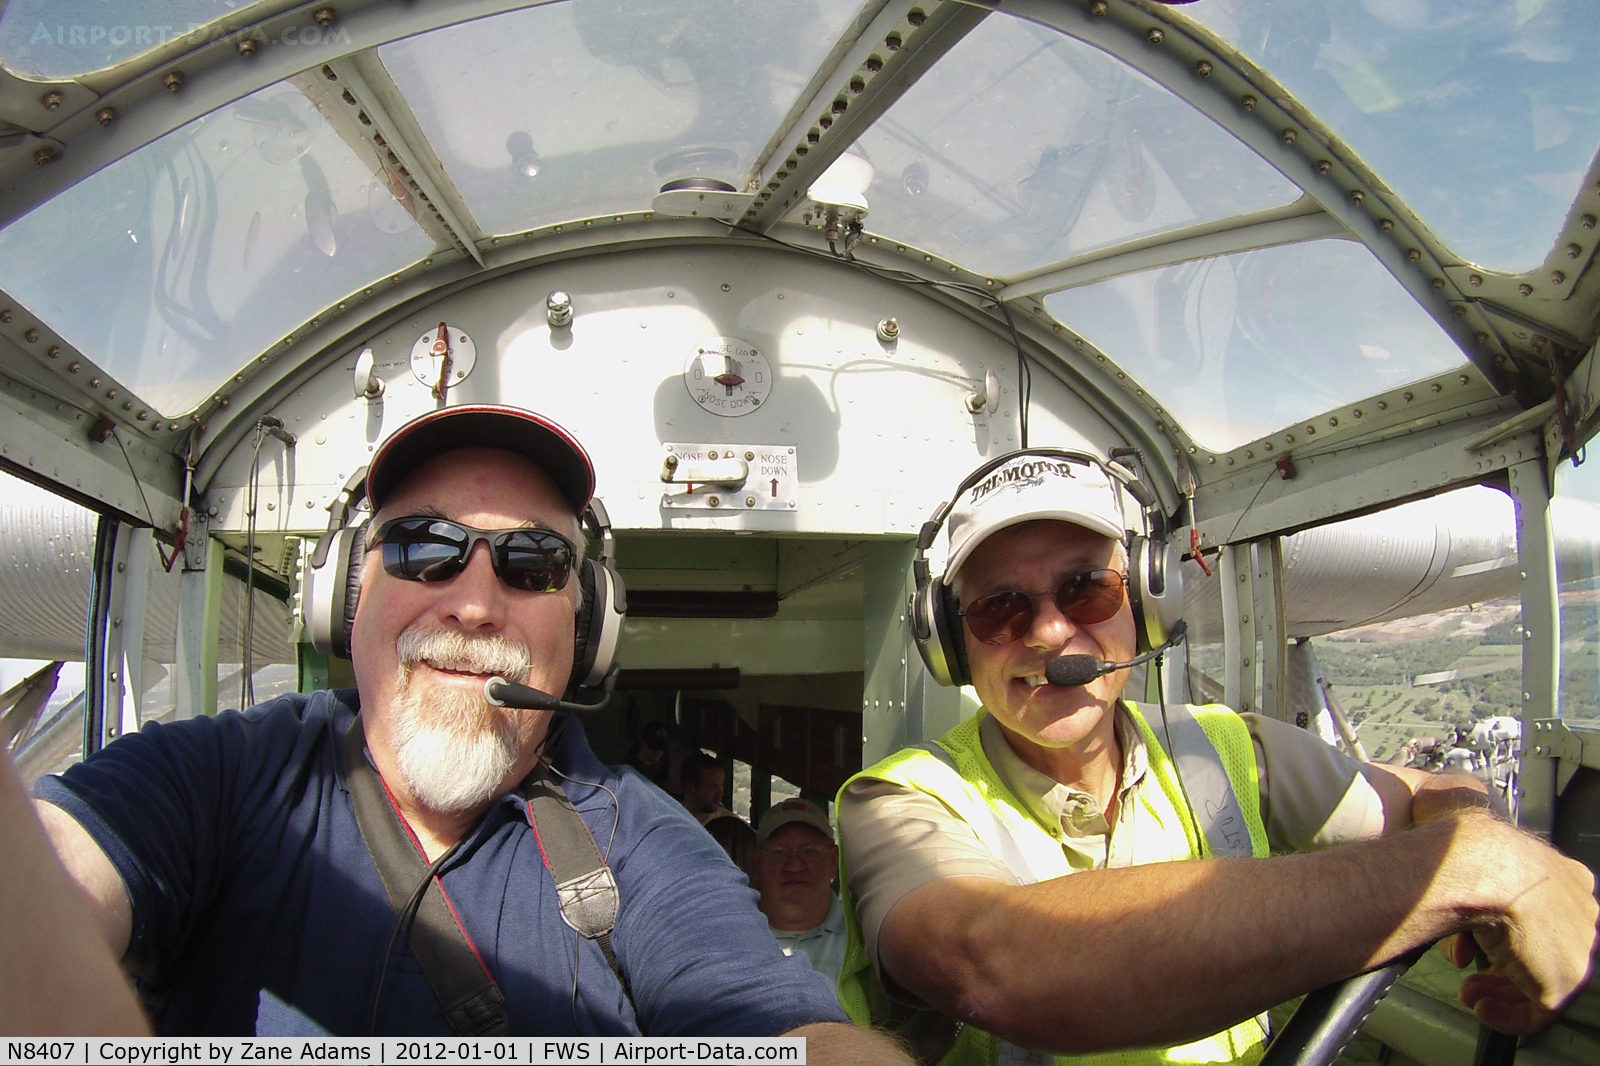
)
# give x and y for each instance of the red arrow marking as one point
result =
(774, 488)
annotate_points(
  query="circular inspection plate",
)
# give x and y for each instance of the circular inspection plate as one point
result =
(429, 351)
(727, 376)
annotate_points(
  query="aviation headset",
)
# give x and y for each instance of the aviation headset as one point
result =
(1155, 581)
(332, 587)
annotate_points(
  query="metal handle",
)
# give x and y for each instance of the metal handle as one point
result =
(1330, 1017)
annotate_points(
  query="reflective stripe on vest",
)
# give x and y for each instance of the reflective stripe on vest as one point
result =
(960, 775)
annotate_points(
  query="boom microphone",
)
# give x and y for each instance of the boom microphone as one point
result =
(503, 693)
(1070, 671)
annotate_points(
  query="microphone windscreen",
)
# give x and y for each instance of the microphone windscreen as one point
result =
(511, 694)
(1072, 670)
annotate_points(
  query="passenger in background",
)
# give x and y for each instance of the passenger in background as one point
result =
(737, 839)
(795, 864)
(704, 781)
(648, 754)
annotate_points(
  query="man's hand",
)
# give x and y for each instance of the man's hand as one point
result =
(1541, 948)
(828, 1043)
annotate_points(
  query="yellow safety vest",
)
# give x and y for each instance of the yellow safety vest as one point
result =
(974, 791)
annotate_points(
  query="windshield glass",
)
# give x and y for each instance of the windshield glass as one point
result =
(1240, 345)
(1480, 114)
(178, 264)
(1023, 147)
(587, 108)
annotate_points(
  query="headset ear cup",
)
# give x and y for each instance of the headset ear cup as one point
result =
(349, 590)
(1139, 595)
(921, 611)
(583, 622)
(947, 625)
(1155, 590)
(598, 623)
(328, 602)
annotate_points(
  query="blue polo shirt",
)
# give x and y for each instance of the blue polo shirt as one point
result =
(256, 907)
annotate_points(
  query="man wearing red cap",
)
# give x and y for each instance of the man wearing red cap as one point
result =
(225, 855)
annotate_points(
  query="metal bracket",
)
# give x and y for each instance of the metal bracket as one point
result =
(385, 122)
(197, 543)
(875, 70)
(1554, 739)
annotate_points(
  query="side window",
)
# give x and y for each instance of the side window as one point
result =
(1576, 517)
(45, 576)
(1405, 623)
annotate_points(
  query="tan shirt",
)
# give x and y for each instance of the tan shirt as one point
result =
(895, 839)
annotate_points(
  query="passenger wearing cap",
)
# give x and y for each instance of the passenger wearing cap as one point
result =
(795, 864)
(1026, 886)
(227, 865)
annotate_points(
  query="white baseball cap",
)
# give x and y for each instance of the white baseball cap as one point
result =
(793, 809)
(1031, 487)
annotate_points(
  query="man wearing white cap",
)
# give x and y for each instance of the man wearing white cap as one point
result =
(254, 868)
(1045, 880)
(794, 867)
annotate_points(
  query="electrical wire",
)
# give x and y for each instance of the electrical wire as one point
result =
(167, 561)
(247, 683)
(1024, 376)
(906, 277)
(406, 918)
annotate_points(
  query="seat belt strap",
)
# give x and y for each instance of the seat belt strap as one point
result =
(473, 1003)
(586, 889)
(1205, 782)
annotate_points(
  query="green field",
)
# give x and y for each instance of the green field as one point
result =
(1374, 670)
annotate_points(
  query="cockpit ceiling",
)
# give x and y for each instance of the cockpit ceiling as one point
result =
(1037, 165)
(598, 103)
(1023, 147)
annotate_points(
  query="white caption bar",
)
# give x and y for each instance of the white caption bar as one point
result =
(384, 1051)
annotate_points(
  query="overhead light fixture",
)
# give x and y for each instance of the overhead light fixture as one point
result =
(843, 186)
(702, 197)
(524, 160)
(697, 185)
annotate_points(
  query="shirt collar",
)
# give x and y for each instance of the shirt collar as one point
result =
(1062, 808)
(832, 923)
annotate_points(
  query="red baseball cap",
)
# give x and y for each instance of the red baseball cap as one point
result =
(483, 425)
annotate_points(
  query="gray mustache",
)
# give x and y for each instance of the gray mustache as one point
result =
(456, 651)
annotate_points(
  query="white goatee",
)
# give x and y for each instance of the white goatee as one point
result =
(453, 748)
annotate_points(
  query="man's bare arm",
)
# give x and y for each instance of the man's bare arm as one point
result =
(1414, 797)
(1166, 953)
(57, 975)
(837, 1044)
(93, 872)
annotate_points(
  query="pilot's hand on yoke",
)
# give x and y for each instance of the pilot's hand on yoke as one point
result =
(1541, 947)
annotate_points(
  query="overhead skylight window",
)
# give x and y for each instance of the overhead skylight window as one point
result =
(587, 108)
(178, 264)
(1023, 147)
(1242, 345)
(55, 40)
(1483, 115)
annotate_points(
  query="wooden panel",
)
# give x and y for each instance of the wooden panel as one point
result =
(814, 748)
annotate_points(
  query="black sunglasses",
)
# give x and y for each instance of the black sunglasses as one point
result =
(436, 549)
(1087, 599)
